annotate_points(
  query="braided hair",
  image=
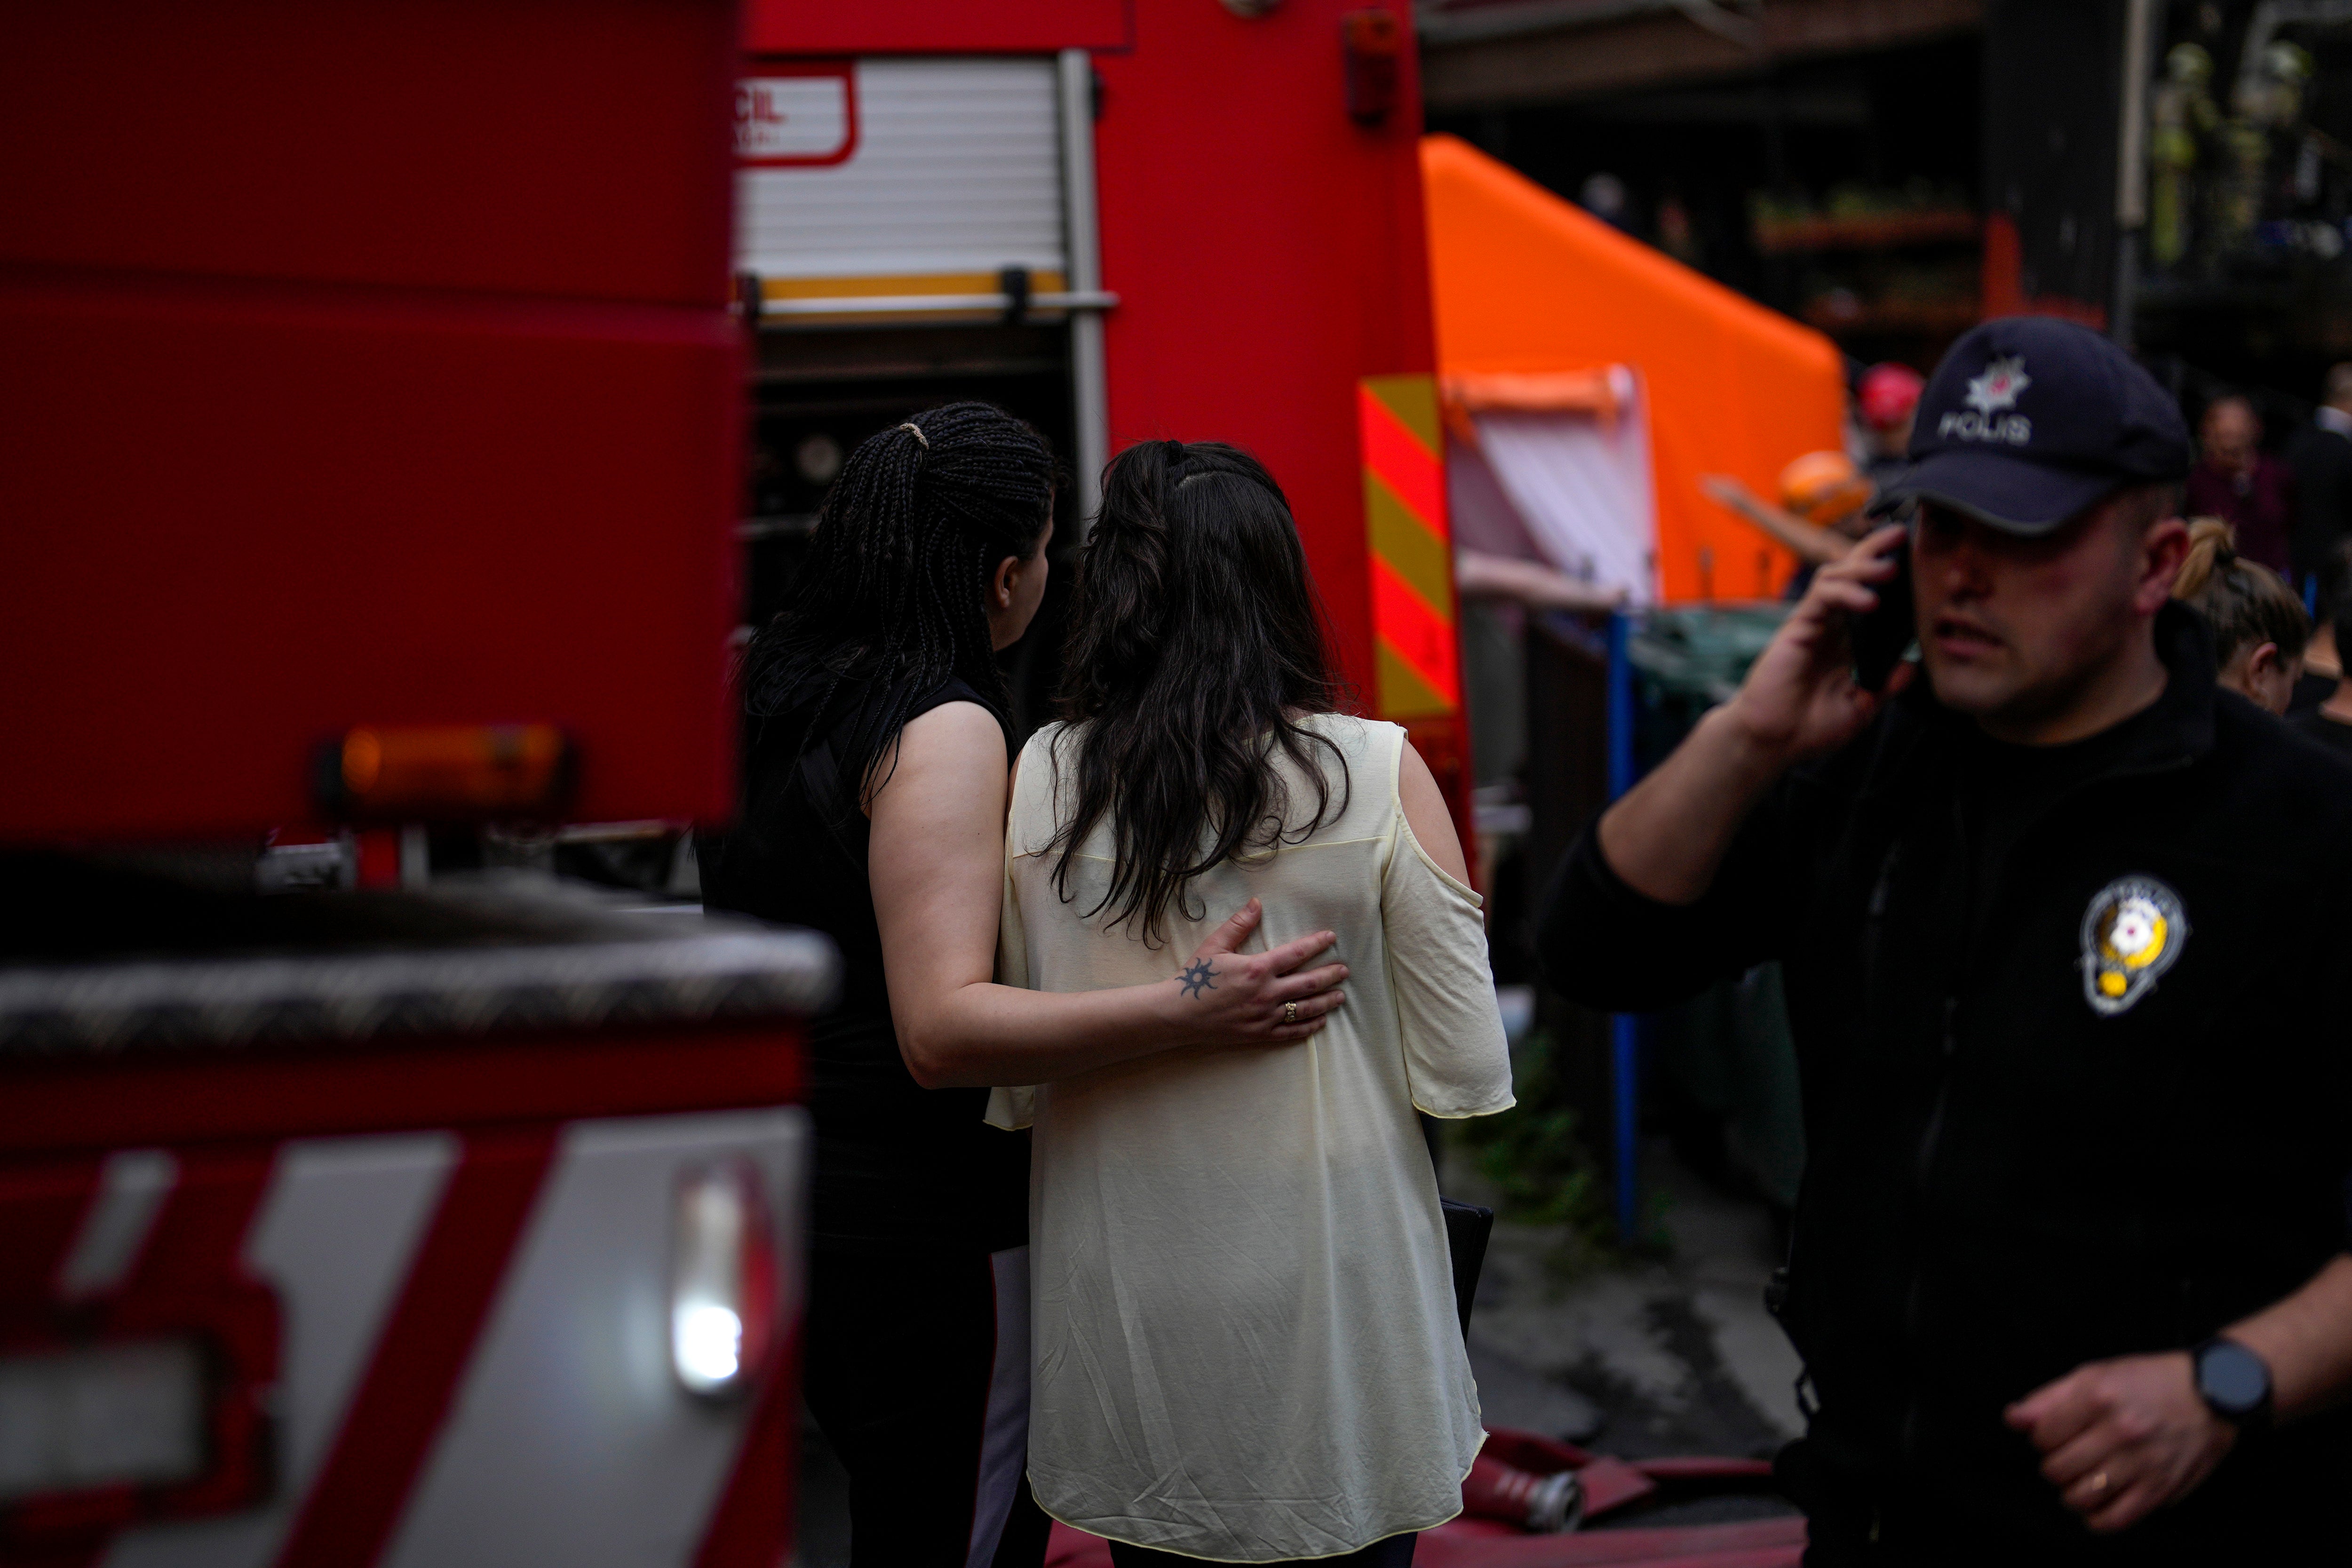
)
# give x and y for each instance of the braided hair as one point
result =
(889, 603)
(1195, 645)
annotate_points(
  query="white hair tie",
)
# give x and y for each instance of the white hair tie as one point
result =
(918, 434)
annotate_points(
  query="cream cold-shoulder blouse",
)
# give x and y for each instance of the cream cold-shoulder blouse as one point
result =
(1244, 1340)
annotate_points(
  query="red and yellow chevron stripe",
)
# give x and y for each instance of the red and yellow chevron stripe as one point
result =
(1418, 662)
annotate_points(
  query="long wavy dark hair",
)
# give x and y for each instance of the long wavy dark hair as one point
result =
(1195, 645)
(891, 600)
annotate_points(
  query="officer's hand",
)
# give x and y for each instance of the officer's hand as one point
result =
(2122, 1438)
(1799, 700)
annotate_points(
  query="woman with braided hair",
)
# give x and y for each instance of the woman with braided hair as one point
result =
(876, 749)
(1246, 1340)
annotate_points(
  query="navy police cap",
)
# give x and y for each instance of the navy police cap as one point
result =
(2029, 419)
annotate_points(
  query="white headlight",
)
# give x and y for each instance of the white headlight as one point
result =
(722, 1298)
(707, 1341)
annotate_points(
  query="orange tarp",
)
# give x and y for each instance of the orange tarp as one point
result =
(1528, 284)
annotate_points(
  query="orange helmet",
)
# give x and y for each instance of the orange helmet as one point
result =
(1825, 488)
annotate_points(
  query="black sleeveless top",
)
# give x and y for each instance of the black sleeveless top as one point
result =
(896, 1163)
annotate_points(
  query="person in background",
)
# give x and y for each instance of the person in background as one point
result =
(1604, 195)
(2259, 626)
(1824, 501)
(876, 749)
(2323, 669)
(1246, 1344)
(2330, 724)
(2234, 482)
(2320, 458)
(2321, 672)
(1886, 398)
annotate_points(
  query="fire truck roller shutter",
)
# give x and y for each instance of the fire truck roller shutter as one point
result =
(943, 174)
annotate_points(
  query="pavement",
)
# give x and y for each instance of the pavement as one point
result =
(1673, 1355)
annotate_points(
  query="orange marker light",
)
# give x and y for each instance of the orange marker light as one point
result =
(439, 772)
(362, 761)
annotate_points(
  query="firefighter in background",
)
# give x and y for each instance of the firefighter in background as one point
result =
(1824, 506)
(2181, 114)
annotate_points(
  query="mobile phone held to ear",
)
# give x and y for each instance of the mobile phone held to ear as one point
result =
(1882, 638)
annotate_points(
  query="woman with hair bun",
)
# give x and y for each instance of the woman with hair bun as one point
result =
(1246, 1346)
(876, 744)
(2259, 626)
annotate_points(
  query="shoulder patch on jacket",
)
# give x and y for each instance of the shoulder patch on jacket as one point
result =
(2132, 932)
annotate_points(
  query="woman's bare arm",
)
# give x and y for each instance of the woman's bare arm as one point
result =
(1425, 814)
(936, 862)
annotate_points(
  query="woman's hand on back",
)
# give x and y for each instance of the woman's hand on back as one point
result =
(936, 863)
(1227, 997)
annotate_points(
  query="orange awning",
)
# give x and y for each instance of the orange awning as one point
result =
(1527, 285)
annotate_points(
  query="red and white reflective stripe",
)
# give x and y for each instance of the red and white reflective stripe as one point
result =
(42, 1212)
(755, 1510)
(570, 1396)
(396, 1411)
(131, 1187)
(475, 1364)
(335, 1237)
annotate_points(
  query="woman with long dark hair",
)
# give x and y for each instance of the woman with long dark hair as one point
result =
(877, 746)
(1245, 1342)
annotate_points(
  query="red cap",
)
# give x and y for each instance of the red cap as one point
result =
(1888, 395)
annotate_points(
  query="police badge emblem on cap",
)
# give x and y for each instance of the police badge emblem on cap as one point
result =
(2132, 933)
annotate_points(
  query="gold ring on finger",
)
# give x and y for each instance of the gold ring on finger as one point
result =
(1290, 1012)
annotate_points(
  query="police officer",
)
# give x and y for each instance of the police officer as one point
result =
(2064, 930)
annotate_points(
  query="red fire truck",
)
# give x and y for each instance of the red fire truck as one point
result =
(370, 419)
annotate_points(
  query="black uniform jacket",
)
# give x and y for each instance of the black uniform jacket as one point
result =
(2004, 1180)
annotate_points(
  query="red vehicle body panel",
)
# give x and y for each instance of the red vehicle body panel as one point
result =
(79, 1104)
(426, 415)
(925, 26)
(1267, 253)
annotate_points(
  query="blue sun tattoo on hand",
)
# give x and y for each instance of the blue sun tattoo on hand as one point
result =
(1196, 979)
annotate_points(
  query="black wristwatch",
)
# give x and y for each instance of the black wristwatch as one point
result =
(2234, 1382)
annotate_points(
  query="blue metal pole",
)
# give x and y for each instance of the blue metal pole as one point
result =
(1625, 1057)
